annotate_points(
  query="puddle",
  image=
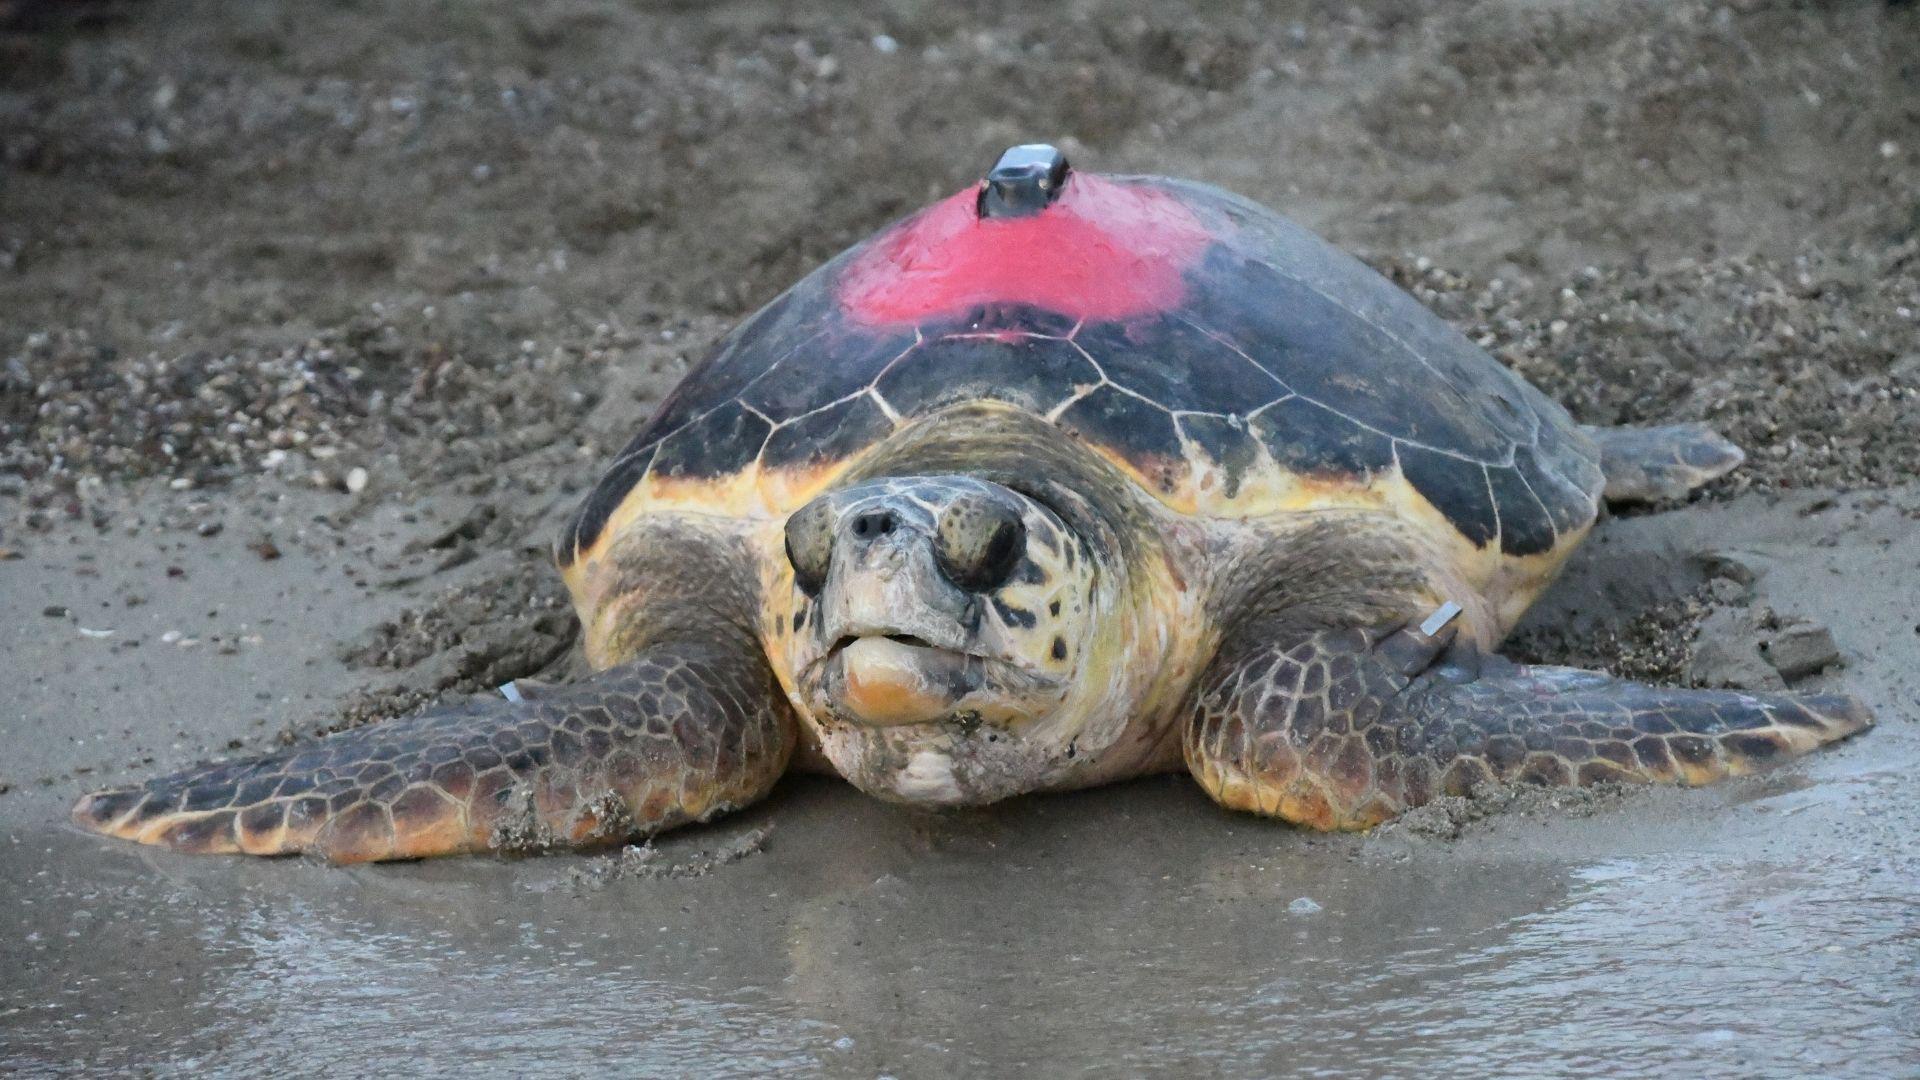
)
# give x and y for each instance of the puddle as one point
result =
(1137, 926)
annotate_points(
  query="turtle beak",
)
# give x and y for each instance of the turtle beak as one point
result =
(898, 679)
(890, 679)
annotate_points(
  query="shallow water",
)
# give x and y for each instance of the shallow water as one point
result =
(1137, 927)
(1765, 928)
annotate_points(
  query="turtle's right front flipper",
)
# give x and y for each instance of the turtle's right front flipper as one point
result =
(678, 734)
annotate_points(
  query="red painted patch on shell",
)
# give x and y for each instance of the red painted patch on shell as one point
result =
(1103, 250)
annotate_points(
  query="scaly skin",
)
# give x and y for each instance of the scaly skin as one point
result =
(1346, 729)
(677, 734)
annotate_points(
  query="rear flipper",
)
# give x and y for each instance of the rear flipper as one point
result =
(1649, 464)
(1346, 729)
(676, 735)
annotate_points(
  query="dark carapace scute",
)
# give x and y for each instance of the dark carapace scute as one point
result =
(1258, 336)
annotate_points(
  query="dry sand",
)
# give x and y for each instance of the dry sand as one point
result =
(314, 320)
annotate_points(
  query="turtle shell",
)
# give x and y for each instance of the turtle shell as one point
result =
(1230, 361)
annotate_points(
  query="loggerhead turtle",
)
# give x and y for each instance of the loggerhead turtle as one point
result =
(1064, 479)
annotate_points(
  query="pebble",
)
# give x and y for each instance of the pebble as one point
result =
(1730, 566)
(1801, 649)
(1728, 591)
(1725, 653)
(1303, 906)
(356, 480)
(54, 611)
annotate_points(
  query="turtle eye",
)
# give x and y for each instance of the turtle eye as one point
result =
(810, 546)
(979, 541)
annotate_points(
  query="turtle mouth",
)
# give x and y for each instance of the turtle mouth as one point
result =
(889, 678)
(911, 641)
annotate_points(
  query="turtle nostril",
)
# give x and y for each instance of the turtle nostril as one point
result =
(873, 523)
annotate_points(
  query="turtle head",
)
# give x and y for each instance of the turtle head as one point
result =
(941, 632)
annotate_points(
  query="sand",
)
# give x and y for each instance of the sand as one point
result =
(314, 322)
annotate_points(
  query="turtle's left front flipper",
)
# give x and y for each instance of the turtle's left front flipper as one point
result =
(1345, 729)
(678, 734)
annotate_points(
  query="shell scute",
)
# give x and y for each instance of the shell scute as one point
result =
(1177, 365)
(1138, 430)
(1558, 495)
(1226, 442)
(825, 435)
(829, 367)
(1525, 527)
(1460, 490)
(1305, 436)
(957, 363)
(724, 440)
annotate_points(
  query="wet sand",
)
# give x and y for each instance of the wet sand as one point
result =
(1764, 927)
(243, 257)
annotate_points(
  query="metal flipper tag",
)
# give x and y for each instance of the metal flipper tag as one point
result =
(511, 692)
(1442, 615)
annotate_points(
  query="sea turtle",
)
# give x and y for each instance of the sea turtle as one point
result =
(1064, 479)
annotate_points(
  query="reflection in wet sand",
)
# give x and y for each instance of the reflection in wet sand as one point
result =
(867, 940)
